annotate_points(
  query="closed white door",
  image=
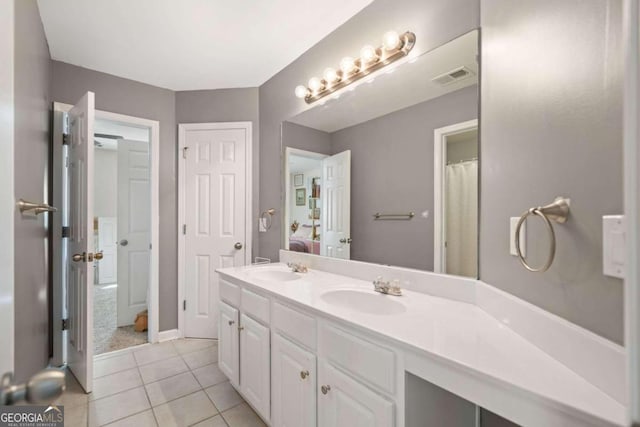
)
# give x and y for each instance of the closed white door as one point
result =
(336, 206)
(254, 364)
(134, 229)
(107, 245)
(80, 242)
(229, 344)
(344, 402)
(215, 218)
(293, 391)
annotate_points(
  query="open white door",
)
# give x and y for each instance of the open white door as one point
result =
(336, 206)
(134, 229)
(107, 238)
(80, 242)
(215, 204)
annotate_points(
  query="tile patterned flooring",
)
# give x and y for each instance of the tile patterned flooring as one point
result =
(175, 383)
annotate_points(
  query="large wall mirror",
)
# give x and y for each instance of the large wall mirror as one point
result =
(387, 171)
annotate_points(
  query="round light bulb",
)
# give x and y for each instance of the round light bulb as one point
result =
(368, 54)
(391, 40)
(331, 75)
(302, 91)
(315, 84)
(348, 65)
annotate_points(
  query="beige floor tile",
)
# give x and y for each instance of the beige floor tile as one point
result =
(73, 395)
(143, 419)
(184, 346)
(185, 411)
(76, 416)
(165, 368)
(115, 383)
(200, 358)
(209, 375)
(242, 416)
(216, 421)
(109, 409)
(155, 353)
(113, 364)
(172, 388)
(224, 396)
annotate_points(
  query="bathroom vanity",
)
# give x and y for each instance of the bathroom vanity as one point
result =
(320, 348)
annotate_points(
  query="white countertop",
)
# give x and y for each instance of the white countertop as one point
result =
(461, 333)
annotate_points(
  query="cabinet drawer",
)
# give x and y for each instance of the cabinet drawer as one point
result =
(255, 305)
(230, 293)
(371, 362)
(295, 325)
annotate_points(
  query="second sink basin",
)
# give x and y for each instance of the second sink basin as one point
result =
(364, 301)
(273, 275)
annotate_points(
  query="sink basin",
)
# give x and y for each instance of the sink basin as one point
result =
(364, 301)
(275, 275)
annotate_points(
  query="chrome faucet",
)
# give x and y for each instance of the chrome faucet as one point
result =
(297, 267)
(387, 287)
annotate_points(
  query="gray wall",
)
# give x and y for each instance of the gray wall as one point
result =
(123, 96)
(31, 169)
(305, 138)
(552, 126)
(392, 171)
(436, 22)
(226, 105)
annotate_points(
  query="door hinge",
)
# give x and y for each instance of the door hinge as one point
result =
(65, 324)
(184, 305)
(184, 228)
(184, 152)
(65, 139)
(66, 232)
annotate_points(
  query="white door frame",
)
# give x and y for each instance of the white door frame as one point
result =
(182, 129)
(8, 206)
(631, 37)
(286, 218)
(59, 310)
(440, 136)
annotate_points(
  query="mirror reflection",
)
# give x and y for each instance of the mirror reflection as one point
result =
(386, 171)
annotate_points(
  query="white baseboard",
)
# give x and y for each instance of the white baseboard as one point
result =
(169, 335)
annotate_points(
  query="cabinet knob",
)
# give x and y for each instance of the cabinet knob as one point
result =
(231, 322)
(325, 389)
(304, 374)
(241, 328)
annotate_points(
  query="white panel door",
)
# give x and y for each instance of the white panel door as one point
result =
(255, 362)
(80, 242)
(336, 206)
(214, 229)
(293, 392)
(344, 402)
(229, 344)
(107, 245)
(134, 229)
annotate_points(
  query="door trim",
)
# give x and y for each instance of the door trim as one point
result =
(439, 162)
(59, 357)
(182, 129)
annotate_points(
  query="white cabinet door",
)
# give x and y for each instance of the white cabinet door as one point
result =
(294, 384)
(344, 402)
(228, 344)
(255, 362)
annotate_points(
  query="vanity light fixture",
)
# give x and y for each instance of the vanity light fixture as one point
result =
(394, 46)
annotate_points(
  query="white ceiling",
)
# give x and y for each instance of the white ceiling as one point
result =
(190, 44)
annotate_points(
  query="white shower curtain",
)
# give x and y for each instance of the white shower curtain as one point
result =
(462, 218)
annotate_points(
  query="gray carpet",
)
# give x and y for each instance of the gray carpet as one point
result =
(106, 335)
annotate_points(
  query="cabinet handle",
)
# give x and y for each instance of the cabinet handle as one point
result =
(231, 322)
(304, 374)
(325, 389)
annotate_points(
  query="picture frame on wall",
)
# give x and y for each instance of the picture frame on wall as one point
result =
(301, 195)
(298, 180)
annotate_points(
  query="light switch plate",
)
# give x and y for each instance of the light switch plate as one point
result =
(614, 246)
(512, 236)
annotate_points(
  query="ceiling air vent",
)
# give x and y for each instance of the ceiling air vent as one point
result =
(452, 76)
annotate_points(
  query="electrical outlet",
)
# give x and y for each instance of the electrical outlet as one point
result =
(613, 246)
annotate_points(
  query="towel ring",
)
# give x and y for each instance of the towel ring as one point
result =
(557, 212)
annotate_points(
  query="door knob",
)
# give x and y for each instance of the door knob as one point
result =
(238, 245)
(98, 256)
(325, 389)
(79, 257)
(124, 242)
(231, 322)
(347, 240)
